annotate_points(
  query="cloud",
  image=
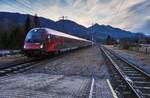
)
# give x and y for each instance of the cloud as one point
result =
(145, 27)
(141, 8)
(141, 14)
(126, 14)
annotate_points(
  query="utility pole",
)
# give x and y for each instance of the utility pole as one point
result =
(36, 21)
(92, 36)
(63, 18)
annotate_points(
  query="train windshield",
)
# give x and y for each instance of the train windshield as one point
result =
(36, 36)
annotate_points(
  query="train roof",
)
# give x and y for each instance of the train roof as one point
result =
(58, 33)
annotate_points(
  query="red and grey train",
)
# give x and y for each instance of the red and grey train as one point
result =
(43, 41)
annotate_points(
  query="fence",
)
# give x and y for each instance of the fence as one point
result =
(145, 48)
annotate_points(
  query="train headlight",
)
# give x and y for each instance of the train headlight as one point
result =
(24, 46)
(41, 46)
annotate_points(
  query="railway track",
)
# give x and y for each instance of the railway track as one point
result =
(134, 82)
(19, 67)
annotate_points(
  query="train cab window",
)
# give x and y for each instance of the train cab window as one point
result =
(36, 35)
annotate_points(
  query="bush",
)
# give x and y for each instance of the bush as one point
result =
(125, 43)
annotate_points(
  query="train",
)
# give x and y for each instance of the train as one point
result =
(45, 41)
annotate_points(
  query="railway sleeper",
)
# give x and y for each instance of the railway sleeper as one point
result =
(138, 79)
(146, 95)
(123, 86)
(130, 74)
(2, 72)
(145, 83)
(131, 71)
(125, 67)
(143, 90)
(134, 77)
(8, 69)
(127, 93)
(115, 73)
(128, 69)
(119, 81)
(142, 87)
(117, 77)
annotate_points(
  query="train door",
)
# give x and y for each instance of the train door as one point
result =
(48, 42)
(59, 42)
(51, 46)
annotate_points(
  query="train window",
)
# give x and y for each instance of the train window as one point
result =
(36, 35)
(52, 37)
(49, 36)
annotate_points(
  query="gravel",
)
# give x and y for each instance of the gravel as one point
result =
(142, 60)
(65, 76)
(7, 60)
(42, 86)
(84, 62)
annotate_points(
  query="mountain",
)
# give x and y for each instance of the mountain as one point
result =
(7, 21)
(72, 28)
(100, 32)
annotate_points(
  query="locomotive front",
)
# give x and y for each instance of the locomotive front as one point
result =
(34, 42)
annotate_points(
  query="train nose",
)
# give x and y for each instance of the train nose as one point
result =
(33, 46)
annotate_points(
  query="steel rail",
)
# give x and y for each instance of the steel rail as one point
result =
(122, 74)
(131, 64)
(92, 88)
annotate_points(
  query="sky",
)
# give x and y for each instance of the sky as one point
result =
(132, 15)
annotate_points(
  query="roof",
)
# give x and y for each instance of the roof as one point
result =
(58, 33)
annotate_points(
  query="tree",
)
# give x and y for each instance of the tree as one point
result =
(4, 40)
(147, 40)
(125, 43)
(27, 25)
(16, 38)
(110, 40)
(36, 21)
